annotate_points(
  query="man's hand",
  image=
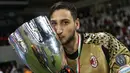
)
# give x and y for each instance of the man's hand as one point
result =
(67, 69)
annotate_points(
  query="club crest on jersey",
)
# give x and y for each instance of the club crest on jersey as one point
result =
(93, 61)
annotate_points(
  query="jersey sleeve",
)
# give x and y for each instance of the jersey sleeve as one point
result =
(114, 47)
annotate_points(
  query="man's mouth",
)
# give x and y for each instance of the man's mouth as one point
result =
(60, 37)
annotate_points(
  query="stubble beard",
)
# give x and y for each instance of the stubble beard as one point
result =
(69, 39)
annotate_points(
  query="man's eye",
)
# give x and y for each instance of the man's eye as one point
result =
(66, 22)
(53, 23)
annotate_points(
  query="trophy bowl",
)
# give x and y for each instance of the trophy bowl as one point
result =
(36, 44)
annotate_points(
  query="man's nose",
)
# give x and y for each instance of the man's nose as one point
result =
(59, 30)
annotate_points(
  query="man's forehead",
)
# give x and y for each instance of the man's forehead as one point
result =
(60, 19)
(61, 15)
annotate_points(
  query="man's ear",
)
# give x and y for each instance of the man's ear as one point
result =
(77, 24)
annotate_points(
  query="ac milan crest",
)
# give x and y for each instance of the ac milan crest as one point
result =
(93, 61)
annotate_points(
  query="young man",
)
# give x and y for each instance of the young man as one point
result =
(89, 52)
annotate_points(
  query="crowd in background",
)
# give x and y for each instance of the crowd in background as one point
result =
(11, 67)
(115, 22)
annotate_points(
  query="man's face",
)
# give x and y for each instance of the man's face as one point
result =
(64, 25)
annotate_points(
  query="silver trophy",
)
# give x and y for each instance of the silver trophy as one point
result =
(36, 44)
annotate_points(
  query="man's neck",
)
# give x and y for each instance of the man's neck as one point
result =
(72, 46)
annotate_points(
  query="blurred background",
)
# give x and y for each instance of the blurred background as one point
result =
(111, 16)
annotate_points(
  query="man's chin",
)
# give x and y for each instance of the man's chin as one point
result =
(63, 42)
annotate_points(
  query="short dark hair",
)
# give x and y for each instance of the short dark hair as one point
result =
(64, 5)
